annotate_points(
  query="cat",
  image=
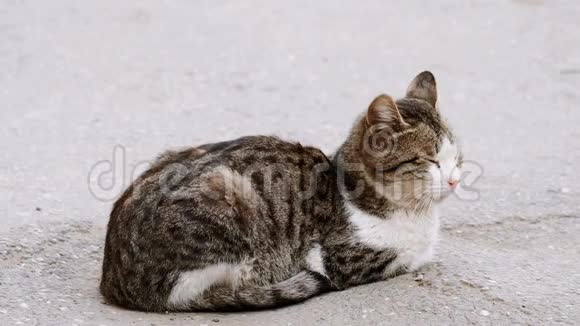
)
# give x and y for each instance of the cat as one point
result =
(259, 222)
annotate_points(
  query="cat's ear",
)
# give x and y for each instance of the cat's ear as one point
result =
(383, 113)
(424, 87)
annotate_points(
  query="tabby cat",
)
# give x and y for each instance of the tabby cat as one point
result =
(259, 222)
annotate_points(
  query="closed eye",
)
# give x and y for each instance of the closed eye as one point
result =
(434, 162)
(413, 160)
(391, 169)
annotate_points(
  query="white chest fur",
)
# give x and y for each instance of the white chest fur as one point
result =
(413, 237)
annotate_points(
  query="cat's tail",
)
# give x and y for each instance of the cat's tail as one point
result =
(298, 288)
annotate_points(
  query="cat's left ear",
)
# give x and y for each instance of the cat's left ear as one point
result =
(383, 113)
(424, 87)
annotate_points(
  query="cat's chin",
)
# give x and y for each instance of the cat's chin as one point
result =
(442, 196)
(440, 199)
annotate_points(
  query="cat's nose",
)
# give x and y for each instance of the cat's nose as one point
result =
(453, 183)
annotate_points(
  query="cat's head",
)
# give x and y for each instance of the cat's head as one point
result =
(408, 152)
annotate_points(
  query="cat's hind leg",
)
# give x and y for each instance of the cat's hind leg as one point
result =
(298, 288)
(191, 285)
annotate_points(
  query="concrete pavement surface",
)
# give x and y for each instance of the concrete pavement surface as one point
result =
(92, 90)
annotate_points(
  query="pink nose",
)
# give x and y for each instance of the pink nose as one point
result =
(453, 183)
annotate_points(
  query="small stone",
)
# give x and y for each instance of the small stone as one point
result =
(484, 313)
(216, 320)
(23, 306)
(467, 283)
(564, 190)
(419, 277)
(38, 209)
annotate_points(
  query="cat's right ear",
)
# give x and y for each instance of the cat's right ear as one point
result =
(384, 114)
(424, 87)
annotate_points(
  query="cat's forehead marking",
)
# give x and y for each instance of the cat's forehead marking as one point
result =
(447, 150)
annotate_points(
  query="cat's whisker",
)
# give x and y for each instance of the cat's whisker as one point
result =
(419, 208)
(420, 203)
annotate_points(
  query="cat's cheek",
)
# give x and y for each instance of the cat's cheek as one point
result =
(436, 179)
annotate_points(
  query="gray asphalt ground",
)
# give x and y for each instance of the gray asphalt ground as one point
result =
(82, 80)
